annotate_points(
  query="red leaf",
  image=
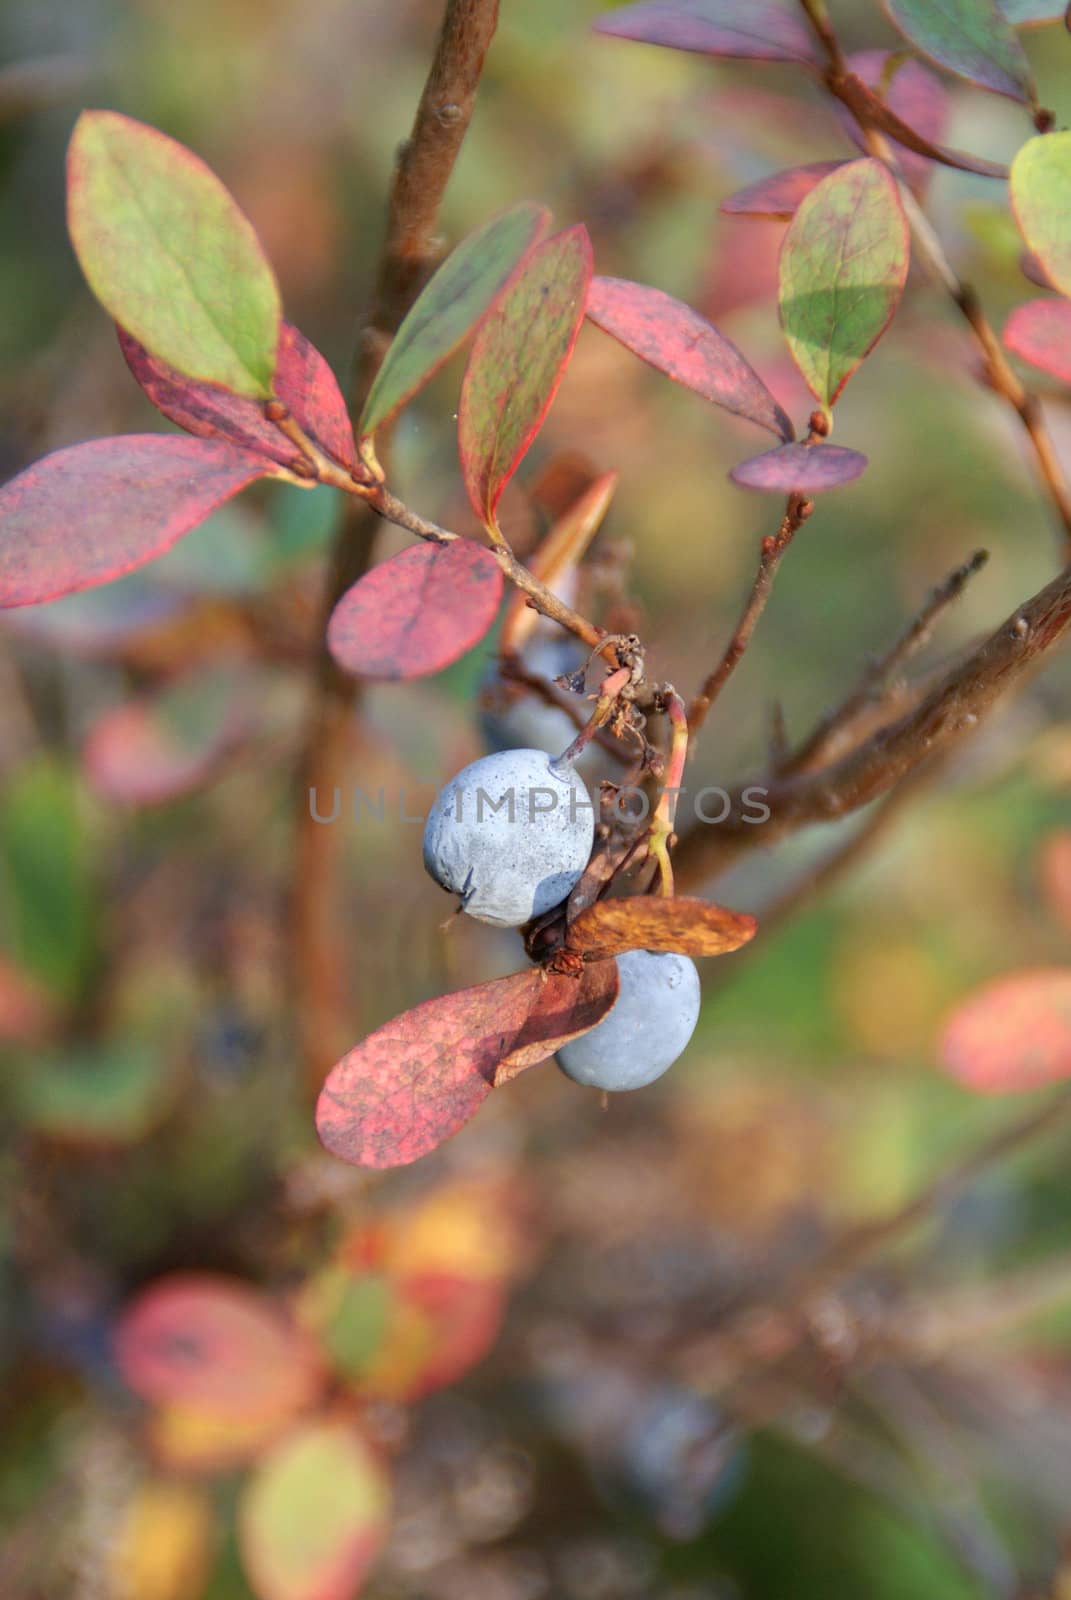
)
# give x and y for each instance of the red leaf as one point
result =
(679, 342)
(517, 361)
(417, 612)
(1040, 332)
(802, 468)
(649, 922)
(168, 743)
(913, 93)
(84, 515)
(464, 1316)
(419, 1079)
(755, 31)
(217, 1345)
(303, 381)
(1012, 1034)
(780, 193)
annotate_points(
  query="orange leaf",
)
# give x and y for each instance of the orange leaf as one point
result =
(647, 922)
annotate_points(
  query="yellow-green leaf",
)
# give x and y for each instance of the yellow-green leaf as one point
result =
(169, 254)
(1041, 199)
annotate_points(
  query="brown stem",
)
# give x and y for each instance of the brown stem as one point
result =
(423, 168)
(953, 708)
(773, 548)
(838, 723)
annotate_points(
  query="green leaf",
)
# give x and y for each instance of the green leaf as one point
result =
(313, 1516)
(1041, 200)
(110, 1094)
(843, 268)
(970, 37)
(516, 364)
(46, 897)
(449, 307)
(168, 253)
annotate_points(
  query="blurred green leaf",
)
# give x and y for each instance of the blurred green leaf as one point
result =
(45, 877)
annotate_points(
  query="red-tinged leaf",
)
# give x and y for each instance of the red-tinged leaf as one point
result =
(464, 1315)
(971, 38)
(1055, 872)
(1013, 1034)
(806, 469)
(649, 922)
(26, 1012)
(872, 109)
(449, 307)
(1032, 269)
(676, 340)
(1041, 200)
(214, 1344)
(168, 743)
(313, 1516)
(420, 1078)
(517, 361)
(560, 1014)
(755, 31)
(87, 514)
(911, 92)
(303, 381)
(557, 556)
(416, 612)
(1040, 332)
(780, 194)
(843, 268)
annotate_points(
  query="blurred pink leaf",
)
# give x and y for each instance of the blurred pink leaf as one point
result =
(911, 92)
(167, 743)
(755, 31)
(84, 515)
(416, 612)
(676, 340)
(803, 468)
(303, 381)
(517, 361)
(780, 194)
(419, 1079)
(872, 109)
(1013, 1034)
(217, 1345)
(1040, 332)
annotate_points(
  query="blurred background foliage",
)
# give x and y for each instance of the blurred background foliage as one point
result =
(155, 1121)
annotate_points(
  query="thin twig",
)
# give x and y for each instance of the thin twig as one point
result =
(797, 510)
(838, 723)
(953, 708)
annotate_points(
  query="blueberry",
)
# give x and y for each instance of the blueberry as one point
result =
(649, 1026)
(511, 835)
